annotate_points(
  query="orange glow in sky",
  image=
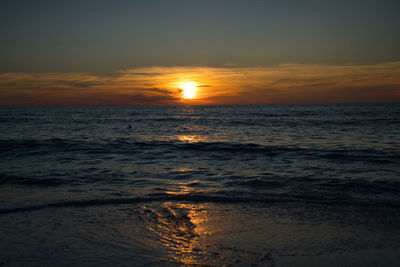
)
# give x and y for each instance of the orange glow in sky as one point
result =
(202, 85)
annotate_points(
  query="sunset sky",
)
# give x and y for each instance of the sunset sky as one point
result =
(69, 53)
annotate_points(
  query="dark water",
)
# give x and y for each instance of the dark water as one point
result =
(210, 185)
(334, 154)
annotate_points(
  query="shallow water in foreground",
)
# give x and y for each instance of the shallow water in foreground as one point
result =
(276, 185)
(207, 234)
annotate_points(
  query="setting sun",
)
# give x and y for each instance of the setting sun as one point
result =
(188, 90)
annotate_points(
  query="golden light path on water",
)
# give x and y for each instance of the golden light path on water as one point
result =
(191, 138)
(182, 229)
(186, 229)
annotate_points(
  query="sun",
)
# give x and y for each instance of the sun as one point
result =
(188, 90)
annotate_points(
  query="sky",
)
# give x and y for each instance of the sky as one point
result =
(73, 53)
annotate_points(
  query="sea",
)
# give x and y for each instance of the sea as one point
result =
(261, 185)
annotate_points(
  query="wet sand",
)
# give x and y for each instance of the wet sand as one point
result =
(207, 234)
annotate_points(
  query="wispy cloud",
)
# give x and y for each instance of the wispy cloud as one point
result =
(286, 83)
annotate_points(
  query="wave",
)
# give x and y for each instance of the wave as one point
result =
(31, 147)
(203, 198)
(31, 181)
(304, 186)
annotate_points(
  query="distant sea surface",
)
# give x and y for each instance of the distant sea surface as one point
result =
(336, 155)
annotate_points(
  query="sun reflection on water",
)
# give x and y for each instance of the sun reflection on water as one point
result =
(183, 169)
(181, 228)
(190, 138)
(180, 189)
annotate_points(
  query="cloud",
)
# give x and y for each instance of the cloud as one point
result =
(286, 83)
(78, 84)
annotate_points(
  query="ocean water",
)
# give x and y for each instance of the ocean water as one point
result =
(274, 185)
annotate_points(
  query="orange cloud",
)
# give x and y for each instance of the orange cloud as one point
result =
(287, 83)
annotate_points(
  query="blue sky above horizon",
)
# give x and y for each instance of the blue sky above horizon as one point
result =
(104, 36)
